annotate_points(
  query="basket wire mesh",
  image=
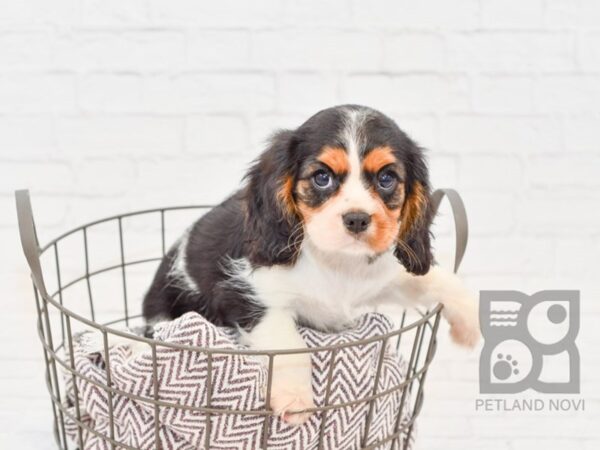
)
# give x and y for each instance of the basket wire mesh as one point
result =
(58, 321)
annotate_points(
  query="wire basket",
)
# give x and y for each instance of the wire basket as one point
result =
(78, 287)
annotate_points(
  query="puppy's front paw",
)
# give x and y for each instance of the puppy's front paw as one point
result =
(464, 325)
(465, 333)
(289, 400)
(291, 389)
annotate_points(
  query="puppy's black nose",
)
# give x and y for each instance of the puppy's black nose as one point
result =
(356, 221)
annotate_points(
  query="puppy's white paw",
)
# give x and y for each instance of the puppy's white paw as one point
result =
(464, 324)
(291, 389)
(288, 400)
(465, 333)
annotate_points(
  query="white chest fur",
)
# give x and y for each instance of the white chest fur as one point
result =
(327, 291)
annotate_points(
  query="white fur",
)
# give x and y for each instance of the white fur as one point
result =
(178, 270)
(291, 387)
(329, 291)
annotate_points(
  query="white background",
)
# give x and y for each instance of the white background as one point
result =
(108, 106)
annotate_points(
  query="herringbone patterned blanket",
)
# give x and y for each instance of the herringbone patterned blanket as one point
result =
(238, 383)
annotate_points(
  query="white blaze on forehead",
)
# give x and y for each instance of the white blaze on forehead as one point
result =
(354, 193)
(353, 135)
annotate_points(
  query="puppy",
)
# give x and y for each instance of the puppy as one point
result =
(333, 219)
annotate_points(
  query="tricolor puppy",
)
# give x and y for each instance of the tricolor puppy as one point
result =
(333, 220)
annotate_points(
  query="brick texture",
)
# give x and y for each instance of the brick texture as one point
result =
(110, 105)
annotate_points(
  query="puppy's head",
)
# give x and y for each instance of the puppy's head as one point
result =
(349, 181)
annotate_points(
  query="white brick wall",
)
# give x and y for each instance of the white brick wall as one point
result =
(107, 106)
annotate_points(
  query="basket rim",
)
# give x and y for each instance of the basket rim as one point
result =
(107, 329)
(120, 216)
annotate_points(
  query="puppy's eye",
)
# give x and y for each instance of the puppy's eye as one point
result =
(386, 180)
(322, 179)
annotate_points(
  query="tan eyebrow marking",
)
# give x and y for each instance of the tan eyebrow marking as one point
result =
(336, 159)
(378, 158)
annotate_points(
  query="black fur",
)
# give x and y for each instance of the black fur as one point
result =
(419, 258)
(211, 239)
(268, 225)
(256, 225)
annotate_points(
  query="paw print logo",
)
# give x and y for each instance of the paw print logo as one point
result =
(510, 362)
(505, 367)
(529, 342)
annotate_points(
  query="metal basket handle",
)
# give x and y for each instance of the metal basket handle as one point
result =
(461, 224)
(29, 240)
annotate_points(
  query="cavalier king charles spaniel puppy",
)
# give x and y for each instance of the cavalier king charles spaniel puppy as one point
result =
(333, 219)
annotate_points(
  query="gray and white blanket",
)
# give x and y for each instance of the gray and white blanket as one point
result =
(239, 384)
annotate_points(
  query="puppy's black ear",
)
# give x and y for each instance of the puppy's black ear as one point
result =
(413, 248)
(273, 229)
